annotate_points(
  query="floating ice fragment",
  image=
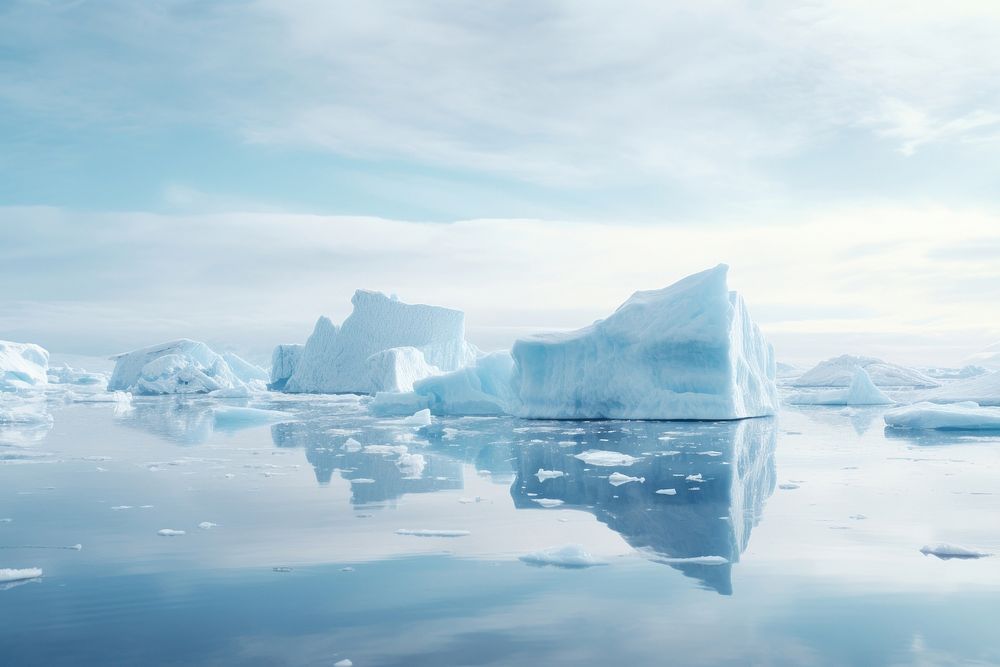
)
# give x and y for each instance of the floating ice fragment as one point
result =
(788, 486)
(547, 502)
(599, 457)
(964, 416)
(617, 479)
(424, 532)
(9, 574)
(207, 525)
(568, 556)
(667, 492)
(695, 560)
(343, 663)
(418, 418)
(694, 478)
(170, 532)
(543, 475)
(945, 551)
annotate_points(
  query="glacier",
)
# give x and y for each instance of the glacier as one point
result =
(687, 351)
(22, 365)
(965, 416)
(861, 392)
(284, 359)
(839, 372)
(181, 366)
(336, 359)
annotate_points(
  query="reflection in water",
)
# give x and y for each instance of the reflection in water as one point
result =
(713, 477)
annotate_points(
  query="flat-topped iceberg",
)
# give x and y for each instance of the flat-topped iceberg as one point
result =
(179, 367)
(22, 365)
(839, 372)
(688, 351)
(284, 359)
(965, 416)
(861, 392)
(337, 360)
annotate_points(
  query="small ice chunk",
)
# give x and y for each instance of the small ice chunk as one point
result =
(170, 532)
(569, 556)
(600, 457)
(418, 418)
(547, 502)
(695, 478)
(352, 445)
(425, 532)
(9, 574)
(667, 492)
(343, 663)
(788, 486)
(543, 475)
(207, 525)
(617, 479)
(945, 551)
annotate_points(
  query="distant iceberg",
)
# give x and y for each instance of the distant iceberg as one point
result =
(339, 359)
(688, 351)
(181, 367)
(22, 365)
(839, 372)
(983, 389)
(861, 392)
(284, 360)
(965, 416)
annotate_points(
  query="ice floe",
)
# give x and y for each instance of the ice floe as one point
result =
(10, 574)
(568, 556)
(945, 551)
(22, 365)
(426, 532)
(617, 479)
(965, 416)
(600, 457)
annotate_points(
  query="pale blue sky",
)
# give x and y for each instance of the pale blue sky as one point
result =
(640, 122)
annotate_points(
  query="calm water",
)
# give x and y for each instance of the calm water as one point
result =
(818, 515)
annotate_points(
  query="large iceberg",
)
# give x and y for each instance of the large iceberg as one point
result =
(284, 360)
(22, 365)
(179, 367)
(839, 372)
(861, 392)
(688, 351)
(984, 389)
(482, 389)
(965, 416)
(336, 360)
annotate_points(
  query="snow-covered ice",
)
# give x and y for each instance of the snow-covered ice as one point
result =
(418, 418)
(170, 532)
(336, 360)
(840, 372)
(543, 474)
(548, 502)
(861, 392)
(688, 351)
(667, 492)
(427, 532)
(964, 416)
(22, 365)
(569, 555)
(396, 369)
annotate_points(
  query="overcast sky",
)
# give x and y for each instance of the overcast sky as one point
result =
(229, 171)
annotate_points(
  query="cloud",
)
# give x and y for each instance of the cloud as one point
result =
(98, 282)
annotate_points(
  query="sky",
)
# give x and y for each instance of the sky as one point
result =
(229, 171)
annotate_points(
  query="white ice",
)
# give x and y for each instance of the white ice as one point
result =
(945, 551)
(547, 502)
(10, 574)
(425, 532)
(178, 367)
(569, 555)
(840, 372)
(543, 474)
(965, 416)
(418, 418)
(22, 365)
(335, 360)
(617, 479)
(861, 392)
(600, 457)
(170, 532)
(396, 369)
(667, 492)
(688, 351)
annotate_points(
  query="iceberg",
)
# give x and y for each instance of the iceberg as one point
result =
(178, 367)
(77, 376)
(965, 416)
(984, 390)
(284, 360)
(336, 360)
(22, 365)
(688, 351)
(247, 373)
(840, 371)
(861, 392)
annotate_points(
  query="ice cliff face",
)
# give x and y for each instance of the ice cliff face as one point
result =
(336, 360)
(284, 359)
(688, 351)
